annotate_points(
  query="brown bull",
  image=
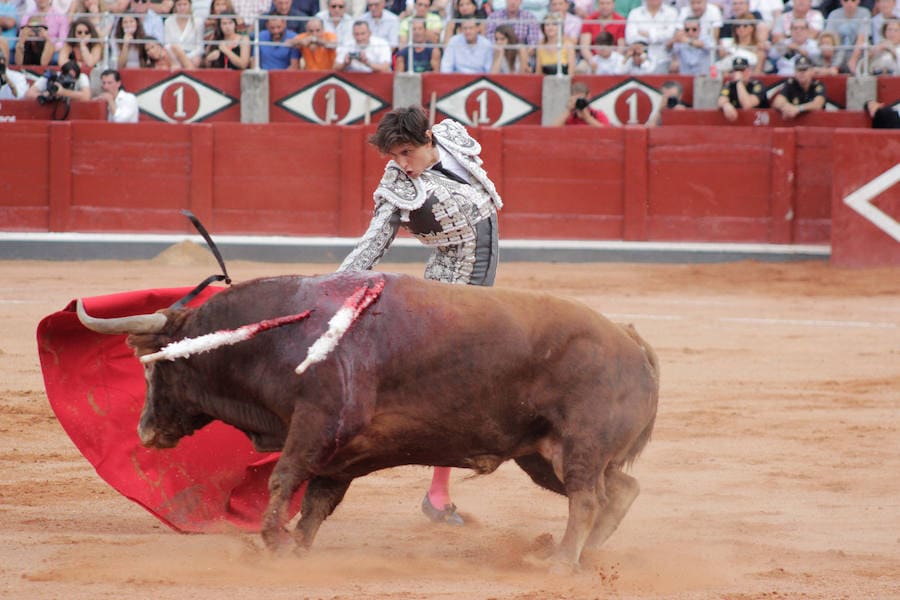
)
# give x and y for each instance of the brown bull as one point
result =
(430, 374)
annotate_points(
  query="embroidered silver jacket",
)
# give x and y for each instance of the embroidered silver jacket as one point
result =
(440, 212)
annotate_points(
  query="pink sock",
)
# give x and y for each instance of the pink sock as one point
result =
(439, 492)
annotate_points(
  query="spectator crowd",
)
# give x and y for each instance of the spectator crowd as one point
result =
(605, 37)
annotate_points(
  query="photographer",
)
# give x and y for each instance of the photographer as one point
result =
(69, 83)
(578, 112)
(13, 84)
(35, 46)
(671, 92)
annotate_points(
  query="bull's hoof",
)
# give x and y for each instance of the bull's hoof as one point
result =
(550, 564)
(277, 540)
(447, 515)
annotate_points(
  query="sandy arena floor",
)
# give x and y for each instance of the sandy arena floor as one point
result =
(773, 473)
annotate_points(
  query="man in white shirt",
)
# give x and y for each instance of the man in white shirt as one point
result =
(122, 107)
(468, 52)
(653, 24)
(366, 54)
(337, 21)
(13, 84)
(383, 23)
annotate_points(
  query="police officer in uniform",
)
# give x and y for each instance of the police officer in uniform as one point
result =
(800, 93)
(742, 91)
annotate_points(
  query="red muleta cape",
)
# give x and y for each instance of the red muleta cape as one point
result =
(96, 387)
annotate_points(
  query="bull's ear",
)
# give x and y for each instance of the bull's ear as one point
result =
(147, 343)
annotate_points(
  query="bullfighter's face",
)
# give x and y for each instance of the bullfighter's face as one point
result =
(414, 159)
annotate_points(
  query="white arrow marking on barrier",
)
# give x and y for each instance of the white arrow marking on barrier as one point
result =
(861, 202)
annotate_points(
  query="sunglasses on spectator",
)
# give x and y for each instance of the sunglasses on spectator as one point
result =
(691, 29)
(337, 6)
(745, 25)
(82, 32)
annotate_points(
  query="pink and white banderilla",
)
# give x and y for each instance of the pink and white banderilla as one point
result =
(339, 324)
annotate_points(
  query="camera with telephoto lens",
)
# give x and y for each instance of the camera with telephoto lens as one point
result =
(671, 102)
(55, 81)
(581, 103)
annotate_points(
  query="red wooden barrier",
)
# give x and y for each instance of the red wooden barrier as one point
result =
(31, 110)
(768, 118)
(865, 199)
(668, 183)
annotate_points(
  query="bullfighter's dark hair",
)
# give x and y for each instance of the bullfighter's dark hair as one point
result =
(402, 126)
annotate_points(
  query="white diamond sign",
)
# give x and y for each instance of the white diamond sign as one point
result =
(183, 99)
(483, 102)
(332, 101)
(861, 202)
(629, 103)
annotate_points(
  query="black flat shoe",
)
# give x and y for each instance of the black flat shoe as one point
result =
(448, 515)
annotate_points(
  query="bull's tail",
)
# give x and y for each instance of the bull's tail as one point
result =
(653, 362)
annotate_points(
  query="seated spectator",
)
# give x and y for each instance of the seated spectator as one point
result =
(745, 44)
(231, 50)
(738, 8)
(832, 59)
(591, 30)
(317, 47)
(769, 11)
(433, 23)
(671, 99)
(852, 23)
(523, 23)
(554, 54)
(8, 18)
(382, 23)
(578, 110)
(97, 12)
(883, 117)
(887, 10)
(606, 59)
(425, 58)
(81, 90)
(274, 52)
(691, 49)
(468, 52)
(786, 53)
(337, 21)
(182, 30)
(292, 17)
(87, 51)
(800, 93)
(151, 21)
(158, 57)
(638, 60)
(509, 55)
(13, 85)
(653, 25)
(885, 57)
(801, 10)
(366, 54)
(221, 7)
(708, 15)
(464, 9)
(126, 50)
(571, 24)
(35, 46)
(741, 91)
(121, 106)
(56, 22)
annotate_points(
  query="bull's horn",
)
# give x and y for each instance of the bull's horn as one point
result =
(135, 324)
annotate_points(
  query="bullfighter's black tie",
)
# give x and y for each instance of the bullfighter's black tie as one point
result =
(448, 173)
